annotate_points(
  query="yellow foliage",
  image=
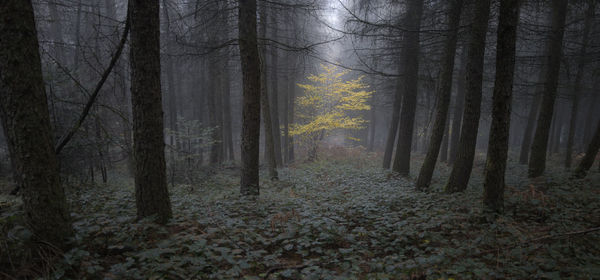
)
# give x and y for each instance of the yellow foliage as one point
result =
(330, 102)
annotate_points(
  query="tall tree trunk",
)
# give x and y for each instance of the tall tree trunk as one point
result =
(152, 196)
(409, 102)
(26, 123)
(461, 171)
(391, 137)
(578, 77)
(590, 154)
(444, 147)
(459, 104)
(555, 148)
(251, 96)
(537, 159)
(211, 102)
(497, 154)
(591, 111)
(227, 127)
(530, 127)
(286, 105)
(443, 97)
(171, 86)
(274, 92)
(292, 102)
(270, 154)
(372, 125)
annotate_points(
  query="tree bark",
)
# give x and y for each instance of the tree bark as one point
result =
(409, 102)
(461, 171)
(251, 96)
(537, 159)
(26, 123)
(578, 83)
(497, 154)
(443, 97)
(152, 196)
(588, 160)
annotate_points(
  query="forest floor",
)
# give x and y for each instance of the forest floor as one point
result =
(340, 218)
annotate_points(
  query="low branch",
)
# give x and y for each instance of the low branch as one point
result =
(86, 110)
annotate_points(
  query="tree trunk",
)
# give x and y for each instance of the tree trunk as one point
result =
(391, 137)
(292, 102)
(227, 127)
(537, 159)
(555, 148)
(270, 154)
(409, 102)
(26, 122)
(461, 171)
(591, 111)
(211, 102)
(590, 154)
(443, 97)
(274, 92)
(372, 125)
(578, 83)
(444, 148)
(171, 86)
(284, 115)
(459, 104)
(251, 72)
(152, 196)
(497, 154)
(530, 127)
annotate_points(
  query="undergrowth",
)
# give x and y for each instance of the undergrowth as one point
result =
(341, 217)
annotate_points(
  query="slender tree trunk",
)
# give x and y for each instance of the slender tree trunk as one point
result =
(270, 154)
(493, 186)
(152, 196)
(537, 159)
(590, 155)
(211, 102)
(391, 137)
(171, 86)
(251, 72)
(26, 123)
(461, 171)
(578, 83)
(591, 111)
(292, 102)
(530, 127)
(409, 102)
(274, 92)
(444, 148)
(443, 97)
(227, 127)
(372, 125)
(459, 104)
(286, 104)
(557, 133)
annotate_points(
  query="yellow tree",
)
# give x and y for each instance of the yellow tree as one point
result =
(329, 103)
